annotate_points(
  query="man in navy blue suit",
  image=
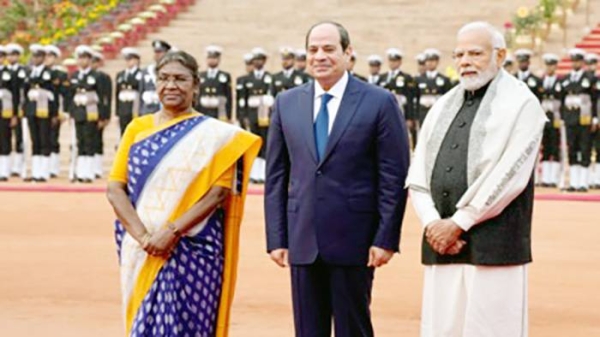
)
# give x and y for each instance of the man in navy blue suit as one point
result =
(337, 158)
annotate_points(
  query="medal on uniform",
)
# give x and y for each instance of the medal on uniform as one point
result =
(277, 83)
(566, 83)
(531, 82)
(202, 79)
(439, 82)
(249, 84)
(21, 73)
(297, 80)
(222, 78)
(585, 83)
(400, 81)
(91, 80)
(422, 85)
(46, 76)
(268, 79)
(558, 88)
(6, 76)
(138, 76)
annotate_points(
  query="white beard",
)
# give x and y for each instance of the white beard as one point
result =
(475, 82)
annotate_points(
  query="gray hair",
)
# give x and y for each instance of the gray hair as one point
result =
(496, 36)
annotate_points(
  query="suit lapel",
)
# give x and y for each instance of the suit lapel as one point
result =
(306, 123)
(345, 113)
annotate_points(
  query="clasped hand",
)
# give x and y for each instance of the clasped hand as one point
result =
(161, 243)
(444, 237)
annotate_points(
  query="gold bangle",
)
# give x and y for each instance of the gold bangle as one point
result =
(174, 229)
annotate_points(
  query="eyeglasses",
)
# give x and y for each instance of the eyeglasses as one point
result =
(472, 54)
(176, 79)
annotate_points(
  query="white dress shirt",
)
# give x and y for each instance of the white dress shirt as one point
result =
(37, 70)
(337, 91)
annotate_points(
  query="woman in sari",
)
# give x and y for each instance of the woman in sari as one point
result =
(177, 186)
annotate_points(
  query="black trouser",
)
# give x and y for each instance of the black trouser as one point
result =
(321, 291)
(99, 141)
(551, 144)
(54, 138)
(39, 131)
(86, 134)
(579, 140)
(124, 120)
(5, 136)
(596, 138)
(18, 136)
(262, 132)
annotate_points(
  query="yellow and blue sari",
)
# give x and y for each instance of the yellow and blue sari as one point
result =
(168, 169)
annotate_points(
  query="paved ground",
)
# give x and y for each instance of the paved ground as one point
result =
(59, 272)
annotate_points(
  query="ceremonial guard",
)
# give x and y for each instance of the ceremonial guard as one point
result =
(105, 104)
(85, 106)
(551, 102)
(6, 118)
(509, 65)
(403, 86)
(150, 102)
(431, 85)
(127, 91)
(421, 69)
(350, 67)
(60, 81)
(591, 61)
(524, 74)
(375, 62)
(258, 100)
(18, 73)
(41, 110)
(579, 115)
(215, 99)
(241, 92)
(288, 77)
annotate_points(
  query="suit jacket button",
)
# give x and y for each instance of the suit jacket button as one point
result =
(319, 172)
(449, 169)
(445, 194)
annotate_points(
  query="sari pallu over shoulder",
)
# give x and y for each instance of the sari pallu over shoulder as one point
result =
(170, 168)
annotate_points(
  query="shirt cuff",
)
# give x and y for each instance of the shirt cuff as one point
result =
(464, 219)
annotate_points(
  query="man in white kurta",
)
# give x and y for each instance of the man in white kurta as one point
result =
(471, 183)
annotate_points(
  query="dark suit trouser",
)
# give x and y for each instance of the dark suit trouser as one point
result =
(320, 291)
(39, 130)
(5, 136)
(597, 145)
(551, 144)
(579, 141)
(86, 136)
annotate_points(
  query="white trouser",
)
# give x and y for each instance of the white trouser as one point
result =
(474, 301)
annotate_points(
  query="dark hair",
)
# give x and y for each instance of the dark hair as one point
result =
(183, 58)
(344, 36)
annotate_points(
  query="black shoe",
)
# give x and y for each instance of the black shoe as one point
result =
(552, 185)
(53, 175)
(582, 189)
(28, 179)
(571, 189)
(87, 181)
(15, 175)
(98, 176)
(544, 185)
(3, 179)
(41, 180)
